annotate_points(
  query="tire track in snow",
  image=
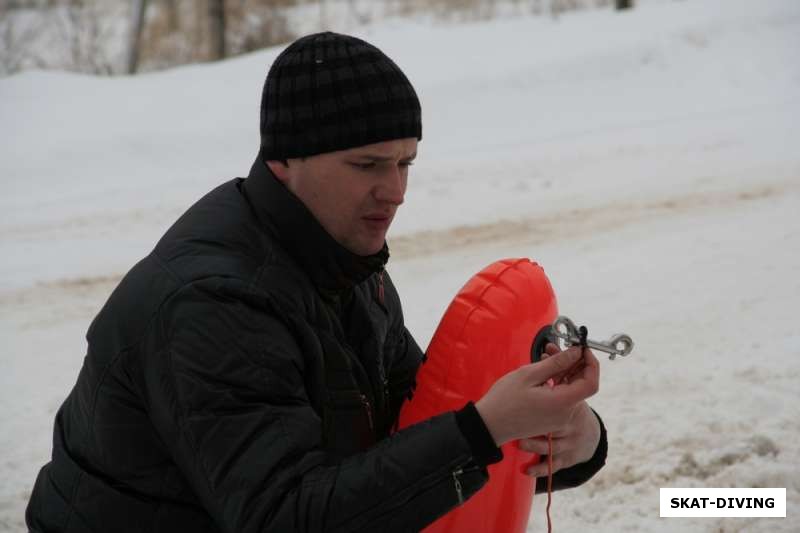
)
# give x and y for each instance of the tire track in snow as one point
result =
(534, 230)
(578, 221)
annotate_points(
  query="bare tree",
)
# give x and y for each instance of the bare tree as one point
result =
(254, 24)
(84, 30)
(172, 15)
(137, 16)
(216, 15)
(360, 18)
(323, 16)
(624, 4)
(17, 42)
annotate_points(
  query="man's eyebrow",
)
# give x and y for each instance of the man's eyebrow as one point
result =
(382, 158)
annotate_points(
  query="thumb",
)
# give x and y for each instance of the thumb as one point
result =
(554, 365)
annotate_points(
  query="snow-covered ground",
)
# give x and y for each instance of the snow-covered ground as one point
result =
(648, 160)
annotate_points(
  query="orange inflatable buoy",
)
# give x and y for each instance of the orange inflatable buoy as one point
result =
(496, 323)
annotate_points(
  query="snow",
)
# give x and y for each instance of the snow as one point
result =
(648, 160)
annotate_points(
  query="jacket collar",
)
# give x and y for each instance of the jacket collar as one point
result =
(331, 266)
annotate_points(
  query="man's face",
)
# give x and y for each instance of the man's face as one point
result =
(353, 193)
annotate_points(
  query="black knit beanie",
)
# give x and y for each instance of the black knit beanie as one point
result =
(329, 92)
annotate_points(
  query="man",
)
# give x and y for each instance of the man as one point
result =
(246, 375)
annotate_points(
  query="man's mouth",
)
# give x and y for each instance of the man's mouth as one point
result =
(378, 221)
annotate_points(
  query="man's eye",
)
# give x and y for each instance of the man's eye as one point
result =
(364, 166)
(406, 163)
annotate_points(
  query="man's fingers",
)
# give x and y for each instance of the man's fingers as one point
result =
(534, 445)
(539, 445)
(589, 372)
(582, 385)
(553, 366)
(578, 368)
(550, 349)
(541, 469)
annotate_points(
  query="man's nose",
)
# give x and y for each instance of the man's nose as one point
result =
(392, 187)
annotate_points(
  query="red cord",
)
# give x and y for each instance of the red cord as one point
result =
(552, 384)
(549, 480)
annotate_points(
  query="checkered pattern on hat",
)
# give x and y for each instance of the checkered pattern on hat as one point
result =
(328, 92)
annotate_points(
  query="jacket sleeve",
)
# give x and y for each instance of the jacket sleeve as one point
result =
(225, 392)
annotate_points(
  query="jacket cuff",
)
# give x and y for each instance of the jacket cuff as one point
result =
(580, 473)
(484, 450)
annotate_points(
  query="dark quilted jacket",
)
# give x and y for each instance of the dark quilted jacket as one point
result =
(244, 377)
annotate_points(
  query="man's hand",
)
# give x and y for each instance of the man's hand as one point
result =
(521, 403)
(574, 444)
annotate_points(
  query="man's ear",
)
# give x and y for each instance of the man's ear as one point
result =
(280, 169)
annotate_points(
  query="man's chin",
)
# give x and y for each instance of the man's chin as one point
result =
(365, 249)
(374, 250)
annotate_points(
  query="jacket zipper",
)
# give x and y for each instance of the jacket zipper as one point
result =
(380, 287)
(386, 405)
(457, 482)
(368, 408)
(458, 485)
